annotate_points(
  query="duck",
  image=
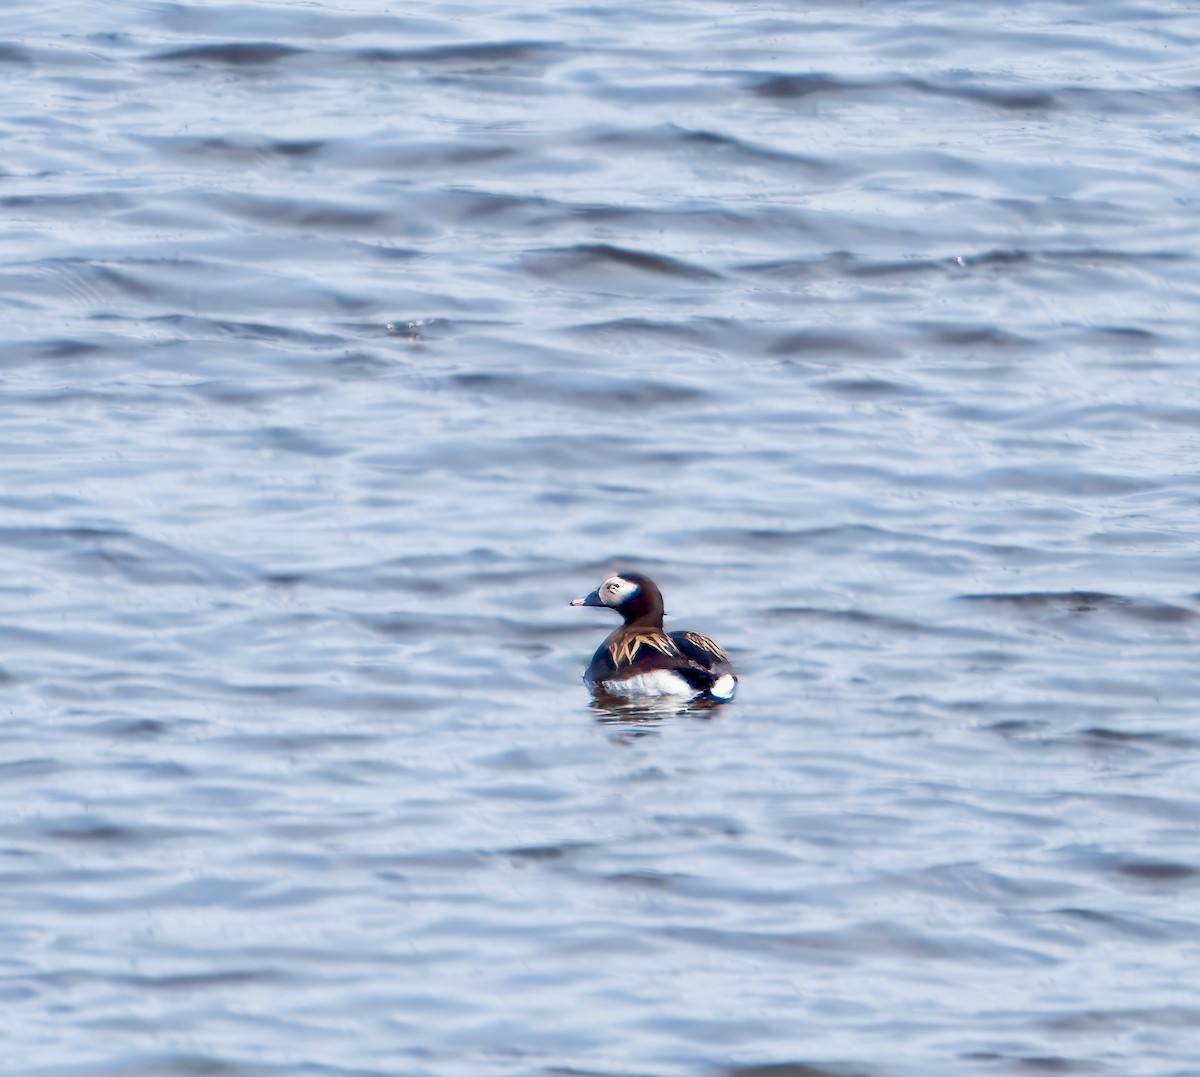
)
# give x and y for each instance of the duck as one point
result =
(641, 659)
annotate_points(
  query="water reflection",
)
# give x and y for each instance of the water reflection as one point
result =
(616, 709)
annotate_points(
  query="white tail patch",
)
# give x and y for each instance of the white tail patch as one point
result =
(723, 687)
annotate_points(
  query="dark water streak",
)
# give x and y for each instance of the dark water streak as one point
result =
(868, 330)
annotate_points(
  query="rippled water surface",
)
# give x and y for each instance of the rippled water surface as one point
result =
(869, 330)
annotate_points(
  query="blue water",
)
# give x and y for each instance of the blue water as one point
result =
(869, 331)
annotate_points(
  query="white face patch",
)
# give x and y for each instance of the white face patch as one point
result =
(616, 590)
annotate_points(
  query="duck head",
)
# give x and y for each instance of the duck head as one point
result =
(634, 596)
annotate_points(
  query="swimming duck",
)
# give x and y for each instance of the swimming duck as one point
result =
(641, 659)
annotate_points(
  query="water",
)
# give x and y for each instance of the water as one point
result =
(867, 330)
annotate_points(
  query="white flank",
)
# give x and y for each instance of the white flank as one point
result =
(724, 686)
(662, 682)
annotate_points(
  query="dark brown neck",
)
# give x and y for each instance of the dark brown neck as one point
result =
(645, 609)
(651, 618)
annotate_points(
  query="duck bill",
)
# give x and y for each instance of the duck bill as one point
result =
(588, 600)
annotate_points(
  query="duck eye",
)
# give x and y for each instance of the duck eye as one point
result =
(612, 586)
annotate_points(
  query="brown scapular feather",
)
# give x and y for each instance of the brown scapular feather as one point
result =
(705, 644)
(626, 646)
